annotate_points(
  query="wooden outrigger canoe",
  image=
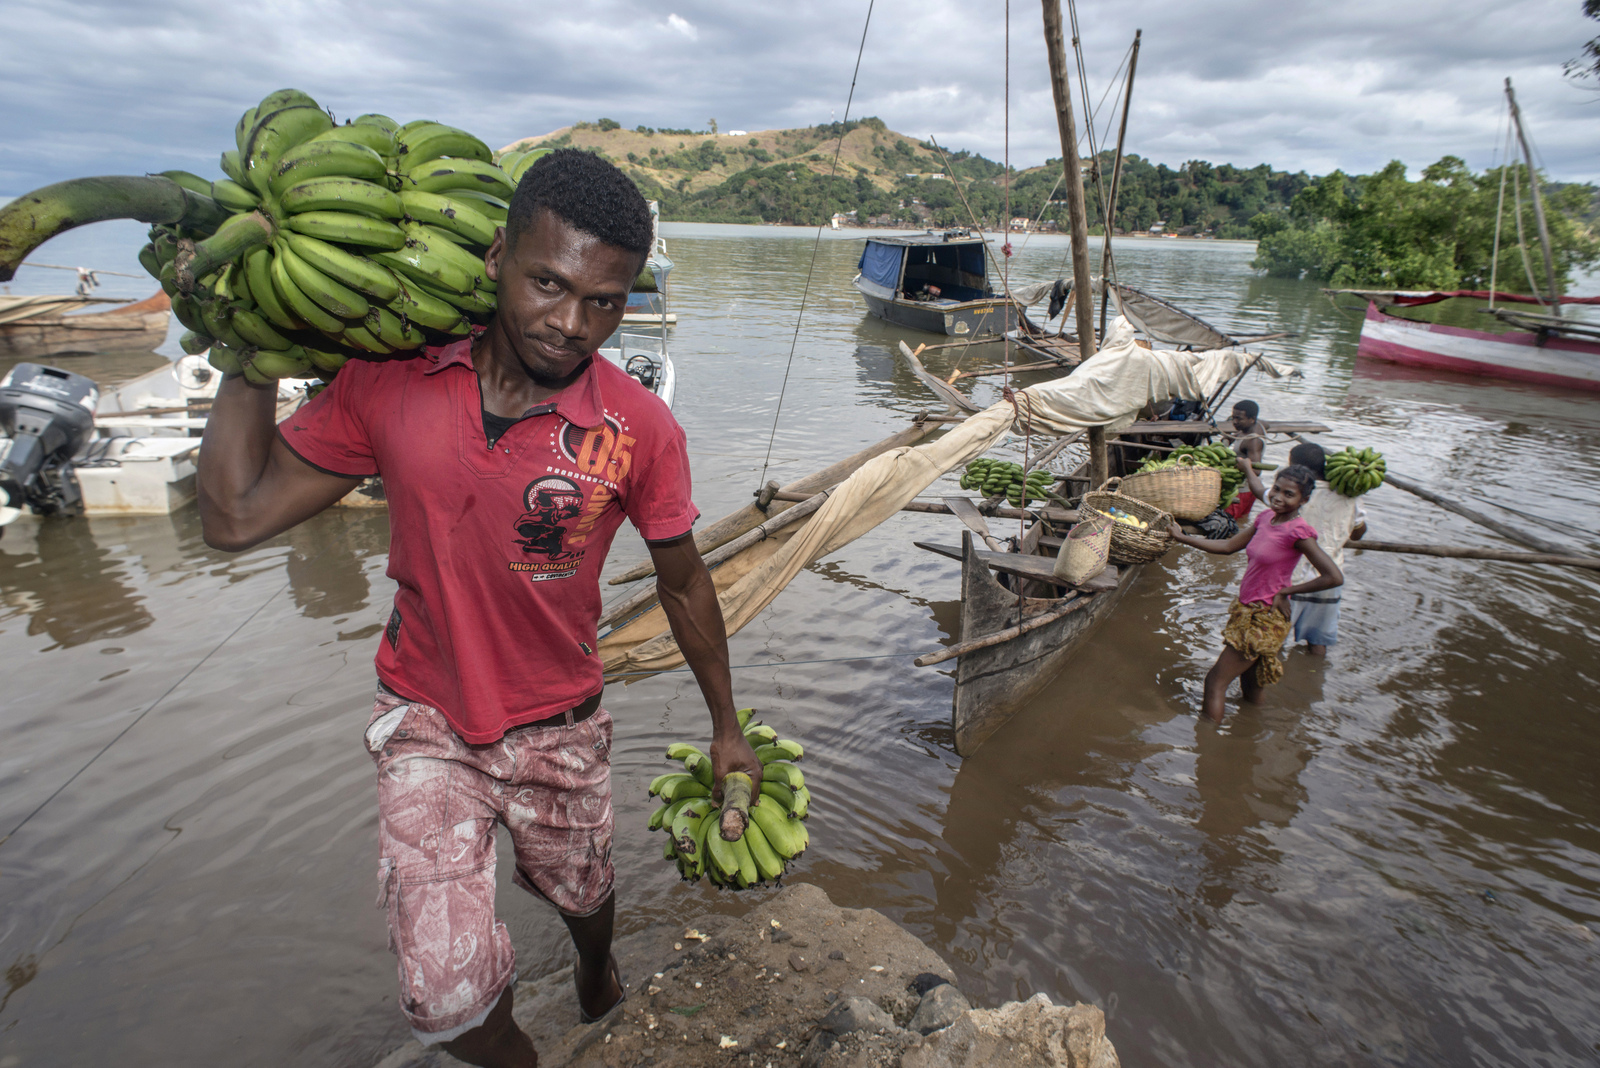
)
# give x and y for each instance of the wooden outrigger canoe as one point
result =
(1015, 644)
(139, 327)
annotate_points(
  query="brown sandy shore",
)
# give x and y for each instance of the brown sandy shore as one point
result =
(798, 981)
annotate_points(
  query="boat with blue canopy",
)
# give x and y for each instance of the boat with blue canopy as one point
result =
(936, 281)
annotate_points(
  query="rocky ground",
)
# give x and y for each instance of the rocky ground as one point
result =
(796, 983)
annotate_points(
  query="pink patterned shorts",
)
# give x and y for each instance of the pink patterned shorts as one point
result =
(439, 800)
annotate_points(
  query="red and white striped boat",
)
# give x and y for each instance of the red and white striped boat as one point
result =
(1550, 351)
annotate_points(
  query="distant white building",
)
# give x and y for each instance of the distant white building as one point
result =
(737, 133)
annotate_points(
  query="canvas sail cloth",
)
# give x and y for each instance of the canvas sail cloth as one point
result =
(1109, 390)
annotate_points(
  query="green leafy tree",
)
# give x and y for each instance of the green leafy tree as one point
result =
(1437, 232)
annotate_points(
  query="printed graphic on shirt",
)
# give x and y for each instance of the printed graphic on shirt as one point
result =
(604, 454)
(565, 505)
(551, 501)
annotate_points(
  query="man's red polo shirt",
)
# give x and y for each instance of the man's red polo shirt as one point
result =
(498, 550)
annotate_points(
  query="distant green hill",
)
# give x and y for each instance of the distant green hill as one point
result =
(887, 178)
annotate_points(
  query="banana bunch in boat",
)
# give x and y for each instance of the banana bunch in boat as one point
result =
(766, 834)
(360, 240)
(995, 478)
(1353, 472)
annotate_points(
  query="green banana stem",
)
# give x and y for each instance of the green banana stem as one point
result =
(736, 797)
(34, 218)
(196, 259)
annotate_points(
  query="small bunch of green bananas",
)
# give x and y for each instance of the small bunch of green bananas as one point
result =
(346, 241)
(1353, 472)
(1214, 454)
(996, 477)
(773, 834)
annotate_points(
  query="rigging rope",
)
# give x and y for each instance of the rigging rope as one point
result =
(152, 707)
(1522, 239)
(815, 247)
(1499, 209)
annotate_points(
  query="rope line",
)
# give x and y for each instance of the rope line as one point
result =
(815, 247)
(198, 665)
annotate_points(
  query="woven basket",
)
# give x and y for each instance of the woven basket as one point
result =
(1130, 545)
(1085, 551)
(1188, 491)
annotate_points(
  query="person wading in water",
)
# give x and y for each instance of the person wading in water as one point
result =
(509, 459)
(1258, 622)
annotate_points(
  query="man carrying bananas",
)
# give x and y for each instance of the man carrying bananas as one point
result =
(509, 459)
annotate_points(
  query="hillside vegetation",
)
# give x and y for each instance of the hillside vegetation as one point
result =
(888, 179)
(1379, 229)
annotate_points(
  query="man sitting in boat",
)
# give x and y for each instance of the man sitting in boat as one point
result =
(1250, 442)
(509, 460)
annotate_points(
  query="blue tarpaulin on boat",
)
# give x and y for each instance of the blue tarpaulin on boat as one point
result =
(971, 259)
(881, 264)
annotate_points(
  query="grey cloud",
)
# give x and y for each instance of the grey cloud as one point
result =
(126, 87)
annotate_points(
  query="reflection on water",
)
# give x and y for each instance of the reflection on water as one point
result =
(1393, 860)
(68, 586)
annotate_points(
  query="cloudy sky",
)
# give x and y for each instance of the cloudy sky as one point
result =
(125, 86)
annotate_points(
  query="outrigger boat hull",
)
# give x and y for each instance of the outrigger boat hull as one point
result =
(1564, 362)
(139, 327)
(993, 684)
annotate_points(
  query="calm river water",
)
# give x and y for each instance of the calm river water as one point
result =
(1395, 860)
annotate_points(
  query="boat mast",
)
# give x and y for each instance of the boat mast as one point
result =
(1072, 178)
(1116, 180)
(1538, 205)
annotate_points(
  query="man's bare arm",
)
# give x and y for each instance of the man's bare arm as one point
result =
(251, 486)
(689, 598)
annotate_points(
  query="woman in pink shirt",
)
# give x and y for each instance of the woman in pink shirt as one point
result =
(1258, 622)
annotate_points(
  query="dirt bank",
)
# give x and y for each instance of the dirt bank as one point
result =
(797, 983)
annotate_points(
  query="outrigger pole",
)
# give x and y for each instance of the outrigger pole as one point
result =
(1072, 177)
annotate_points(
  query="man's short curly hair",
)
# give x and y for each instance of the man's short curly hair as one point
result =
(589, 193)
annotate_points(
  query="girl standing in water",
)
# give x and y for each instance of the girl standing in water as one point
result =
(1258, 622)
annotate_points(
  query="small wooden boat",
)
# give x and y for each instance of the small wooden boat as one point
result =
(136, 327)
(1018, 631)
(1549, 351)
(1543, 347)
(937, 281)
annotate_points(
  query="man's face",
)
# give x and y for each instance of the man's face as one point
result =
(562, 292)
(1241, 421)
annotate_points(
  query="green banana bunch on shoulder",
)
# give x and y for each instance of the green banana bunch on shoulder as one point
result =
(773, 832)
(1352, 472)
(358, 240)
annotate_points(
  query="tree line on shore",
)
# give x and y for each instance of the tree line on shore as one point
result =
(1382, 229)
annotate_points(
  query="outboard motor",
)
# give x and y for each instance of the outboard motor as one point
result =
(49, 415)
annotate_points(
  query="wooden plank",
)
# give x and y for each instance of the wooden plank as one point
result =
(951, 551)
(1039, 568)
(1045, 365)
(942, 389)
